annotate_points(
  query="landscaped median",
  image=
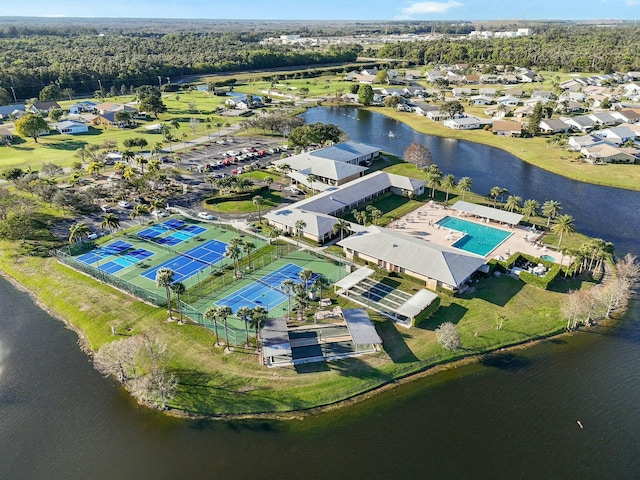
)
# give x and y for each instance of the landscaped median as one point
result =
(494, 313)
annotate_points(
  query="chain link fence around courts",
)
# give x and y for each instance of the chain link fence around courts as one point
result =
(142, 293)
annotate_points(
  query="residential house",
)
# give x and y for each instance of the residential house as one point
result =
(437, 115)
(412, 75)
(497, 111)
(423, 108)
(508, 79)
(617, 135)
(627, 116)
(581, 123)
(572, 96)
(461, 92)
(43, 108)
(577, 143)
(514, 92)
(464, 123)
(549, 126)
(524, 111)
(471, 78)
(433, 75)
(606, 153)
(6, 137)
(481, 100)
(82, 107)
(604, 119)
(489, 78)
(414, 91)
(542, 96)
(488, 92)
(6, 111)
(70, 127)
(508, 100)
(567, 106)
(507, 128)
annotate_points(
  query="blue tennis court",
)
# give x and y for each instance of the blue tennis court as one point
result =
(180, 234)
(98, 254)
(266, 291)
(191, 262)
(119, 262)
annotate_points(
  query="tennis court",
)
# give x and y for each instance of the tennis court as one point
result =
(171, 232)
(117, 258)
(266, 291)
(193, 261)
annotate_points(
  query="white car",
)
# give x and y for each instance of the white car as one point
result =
(159, 213)
(205, 216)
(124, 204)
(105, 208)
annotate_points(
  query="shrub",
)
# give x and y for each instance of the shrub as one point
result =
(448, 336)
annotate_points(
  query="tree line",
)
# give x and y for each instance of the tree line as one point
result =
(86, 62)
(552, 47)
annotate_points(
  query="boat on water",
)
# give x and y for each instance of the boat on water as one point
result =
(391, 134)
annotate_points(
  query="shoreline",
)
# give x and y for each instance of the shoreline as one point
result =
(590, 177)
(427, 371)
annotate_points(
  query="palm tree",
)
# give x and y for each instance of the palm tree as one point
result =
(212, 313)
(258, 315)
(287, 287)
(258, 201)
(268, 181)
(154, 165)
(310, 179)
(170, 138)
(321, 283)
(233, 252)
(138, 211)
(218, 125)
(530, 208)
(129, 173)
(495, 193)
(513, 203)
(244, 313)
(551, 209)
(119, 167)
(225, 312)
(433, 176)
(562, 225)
(275, 235)
(164, 278)
(78, 231)
(128, 155)
(207, 124)
(306, 275)
(375, 215)
(464, 185)
(94, 168)
(448, 183)
(156, 148)
(248, 247)
(301, 299)
(110, 221)
(175, 123)
(341, 226)
(142, 161)
(284, 168)
(300, 226)
(178, 289)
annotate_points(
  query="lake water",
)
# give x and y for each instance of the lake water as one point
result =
(514, 416)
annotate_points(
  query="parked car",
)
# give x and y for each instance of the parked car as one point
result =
(205, 216)
(159, 213)
(105, 208)
(124, 204)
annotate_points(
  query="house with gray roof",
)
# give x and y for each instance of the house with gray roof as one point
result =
(552, 125)
(581, 123)
(348, 152)
(328, 172)
(438, 266)
(7, 110)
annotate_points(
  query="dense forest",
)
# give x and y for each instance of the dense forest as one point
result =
(84, 61)
(552, 47)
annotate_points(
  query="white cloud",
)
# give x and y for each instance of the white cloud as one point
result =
(421, 8)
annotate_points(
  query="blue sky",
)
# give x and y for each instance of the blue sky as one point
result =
(333, 9)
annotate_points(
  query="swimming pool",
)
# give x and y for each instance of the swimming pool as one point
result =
(478, 239)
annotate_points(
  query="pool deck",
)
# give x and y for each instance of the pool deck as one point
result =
(421, 223)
